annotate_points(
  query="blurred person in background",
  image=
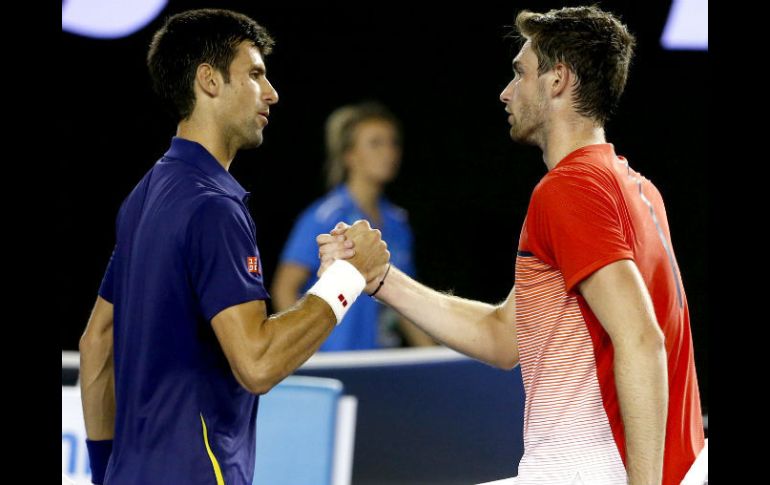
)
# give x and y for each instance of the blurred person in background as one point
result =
(363, 145)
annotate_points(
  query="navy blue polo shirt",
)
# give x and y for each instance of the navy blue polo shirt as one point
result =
(186, 249)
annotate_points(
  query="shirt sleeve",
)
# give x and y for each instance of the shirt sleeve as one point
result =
(575, 225)
(224, 263)
(107, 285)
(301, 247)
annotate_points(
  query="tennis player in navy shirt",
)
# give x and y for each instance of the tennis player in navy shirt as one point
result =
(179, 346)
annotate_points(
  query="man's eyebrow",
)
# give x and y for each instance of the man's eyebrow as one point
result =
(258, 68)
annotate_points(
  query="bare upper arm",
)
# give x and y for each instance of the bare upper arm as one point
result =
(237, 328)
(505, 323)
(618, 296)
(506, 311)
(289, 278)
(99, 326)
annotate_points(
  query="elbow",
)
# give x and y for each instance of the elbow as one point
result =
(84, 345)
(508, 364)
(653, 340)
(260, 379)
(90, 343)
(649, 342)
(260, 386)
(506, 361)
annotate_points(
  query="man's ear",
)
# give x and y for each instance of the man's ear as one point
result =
(561, 77)
(208, 79)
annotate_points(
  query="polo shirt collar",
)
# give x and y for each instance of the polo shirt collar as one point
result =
(195, 154)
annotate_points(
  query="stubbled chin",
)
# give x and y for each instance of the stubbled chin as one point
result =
(253, 143)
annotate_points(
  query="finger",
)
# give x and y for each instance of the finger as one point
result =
(345, 254)
(324, 239)
(362, 223)
(339, 229)
(336, 254)
(331, 247)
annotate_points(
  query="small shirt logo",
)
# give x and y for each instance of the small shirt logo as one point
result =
(253, 263)
(342, 299)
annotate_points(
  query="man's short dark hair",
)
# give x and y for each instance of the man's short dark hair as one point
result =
(594, 44)
(191, 38)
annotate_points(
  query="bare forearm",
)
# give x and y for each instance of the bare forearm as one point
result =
(470, 327)
(641, 381)
(97, 373)
(618, 296)
(97, 387)
(293, 336)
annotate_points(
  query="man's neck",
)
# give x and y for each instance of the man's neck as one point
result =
(366, 194)
(211, 140)
(565, 137)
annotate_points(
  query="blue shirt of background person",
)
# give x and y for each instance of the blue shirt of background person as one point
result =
(363, 144)
(359, 328)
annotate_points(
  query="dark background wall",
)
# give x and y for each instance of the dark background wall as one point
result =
(440, 68)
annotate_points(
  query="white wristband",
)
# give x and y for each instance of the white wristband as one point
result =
(339, 286)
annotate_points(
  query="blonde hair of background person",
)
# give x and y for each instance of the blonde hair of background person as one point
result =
(363, 155)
